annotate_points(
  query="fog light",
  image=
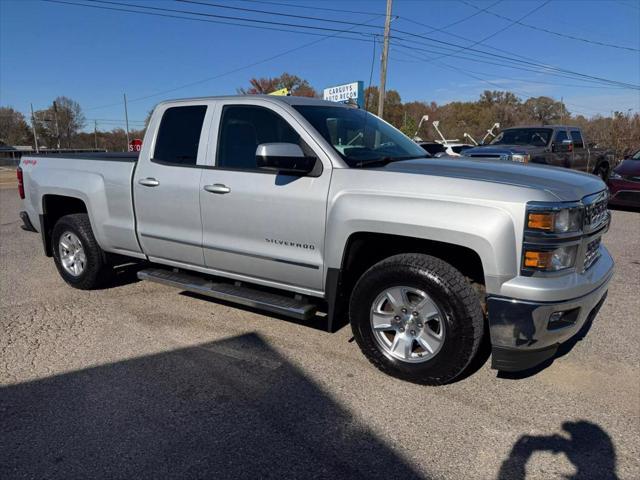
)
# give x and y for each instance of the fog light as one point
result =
(563, 319)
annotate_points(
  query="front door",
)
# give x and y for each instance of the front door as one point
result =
(256, 223)
(166, 187)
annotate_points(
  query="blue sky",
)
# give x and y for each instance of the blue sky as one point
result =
(94, 55)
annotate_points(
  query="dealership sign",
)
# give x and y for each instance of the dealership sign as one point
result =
(345, 93)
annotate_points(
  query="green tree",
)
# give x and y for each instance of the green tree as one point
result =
(544, 110)
(13, 128)
(297, 86)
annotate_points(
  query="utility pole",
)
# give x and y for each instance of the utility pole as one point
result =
(126, 116)
(33, 126)
(55, 117)
(383, 65)
(95, 132)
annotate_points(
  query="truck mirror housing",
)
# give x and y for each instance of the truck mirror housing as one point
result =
(285, 158)
(564, 146)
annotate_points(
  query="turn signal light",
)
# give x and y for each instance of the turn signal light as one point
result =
(541, 221)
(538, 260)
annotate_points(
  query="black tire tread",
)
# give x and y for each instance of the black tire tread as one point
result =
(471, 327)
(97, 273)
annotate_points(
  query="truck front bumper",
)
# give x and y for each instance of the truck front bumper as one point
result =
(526, 333)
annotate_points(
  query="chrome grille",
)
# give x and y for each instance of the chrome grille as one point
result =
(591, 253)
(596, 213)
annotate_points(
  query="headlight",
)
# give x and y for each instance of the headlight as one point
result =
(550, 260)
(563, 220)
(521, 158)
(615, 176)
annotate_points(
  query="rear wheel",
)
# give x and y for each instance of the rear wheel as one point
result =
(417, 318)
(76, 253)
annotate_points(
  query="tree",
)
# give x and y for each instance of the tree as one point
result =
(297, 86)
(13, 127)
(70, 121)
(544, 110)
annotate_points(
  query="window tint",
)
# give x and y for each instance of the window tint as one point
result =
(576, 136)
(179, 135)
(561, 135)
(243, 128)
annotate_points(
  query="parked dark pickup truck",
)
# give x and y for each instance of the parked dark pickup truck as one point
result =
(558, 145)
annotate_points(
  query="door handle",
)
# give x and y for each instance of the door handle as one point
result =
(149, 182)
(217, 188)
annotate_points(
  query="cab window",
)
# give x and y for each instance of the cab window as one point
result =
(576, 136)
(179, 135)
(243, 128)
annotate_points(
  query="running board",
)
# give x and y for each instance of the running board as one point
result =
(234, 293)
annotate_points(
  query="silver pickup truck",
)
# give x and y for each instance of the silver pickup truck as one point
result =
(306, 208)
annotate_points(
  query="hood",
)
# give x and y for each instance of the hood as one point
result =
(628, 168)
(497, 150)
(565, 185)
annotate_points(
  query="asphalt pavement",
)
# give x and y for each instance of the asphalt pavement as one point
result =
(144, 381)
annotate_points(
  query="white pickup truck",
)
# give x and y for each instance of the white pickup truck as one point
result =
(302, 207)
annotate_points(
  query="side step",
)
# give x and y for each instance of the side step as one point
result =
(229, 292)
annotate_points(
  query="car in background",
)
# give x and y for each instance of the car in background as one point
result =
(557, 145)
(436, 149)
(624, 183)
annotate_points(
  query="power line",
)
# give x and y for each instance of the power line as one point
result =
(267, 12)
(478, 42)
(449, 25)
(486, 60)
(224, 17)
(315, 7)
(495, 85)
(528, 62)
(551, 32)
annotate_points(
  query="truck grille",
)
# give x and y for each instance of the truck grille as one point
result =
(595, 212)
(592, 253)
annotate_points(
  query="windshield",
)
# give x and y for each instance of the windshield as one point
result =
(636, 156)
(359, 137)
(539, 137)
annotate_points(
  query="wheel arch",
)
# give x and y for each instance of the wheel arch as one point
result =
(364, 249)
(54, 207)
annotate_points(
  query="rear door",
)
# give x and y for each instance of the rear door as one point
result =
(256, 223)
(580, 152)
(166, 185)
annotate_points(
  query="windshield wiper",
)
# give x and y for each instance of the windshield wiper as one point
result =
(386, 160)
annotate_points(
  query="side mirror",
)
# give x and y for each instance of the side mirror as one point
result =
(285, 158)
(564, 146)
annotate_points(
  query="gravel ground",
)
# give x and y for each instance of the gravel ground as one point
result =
(143, 381)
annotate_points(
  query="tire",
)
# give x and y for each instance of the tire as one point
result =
(460, 325)
(95, 271)
(602, 171)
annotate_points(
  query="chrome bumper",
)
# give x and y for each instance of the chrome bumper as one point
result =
(526, 333)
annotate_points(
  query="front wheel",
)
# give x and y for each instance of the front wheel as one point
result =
(417, 318)
(76, 253)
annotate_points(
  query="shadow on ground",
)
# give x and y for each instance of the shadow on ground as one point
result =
(587, 446)
(227, 409)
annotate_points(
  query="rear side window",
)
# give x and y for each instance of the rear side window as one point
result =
(576, 136)
(561, 136)
(179, 135)
(243, 128)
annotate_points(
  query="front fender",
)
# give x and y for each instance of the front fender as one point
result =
(487, 230)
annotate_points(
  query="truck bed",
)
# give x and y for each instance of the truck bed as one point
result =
(102, 181)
